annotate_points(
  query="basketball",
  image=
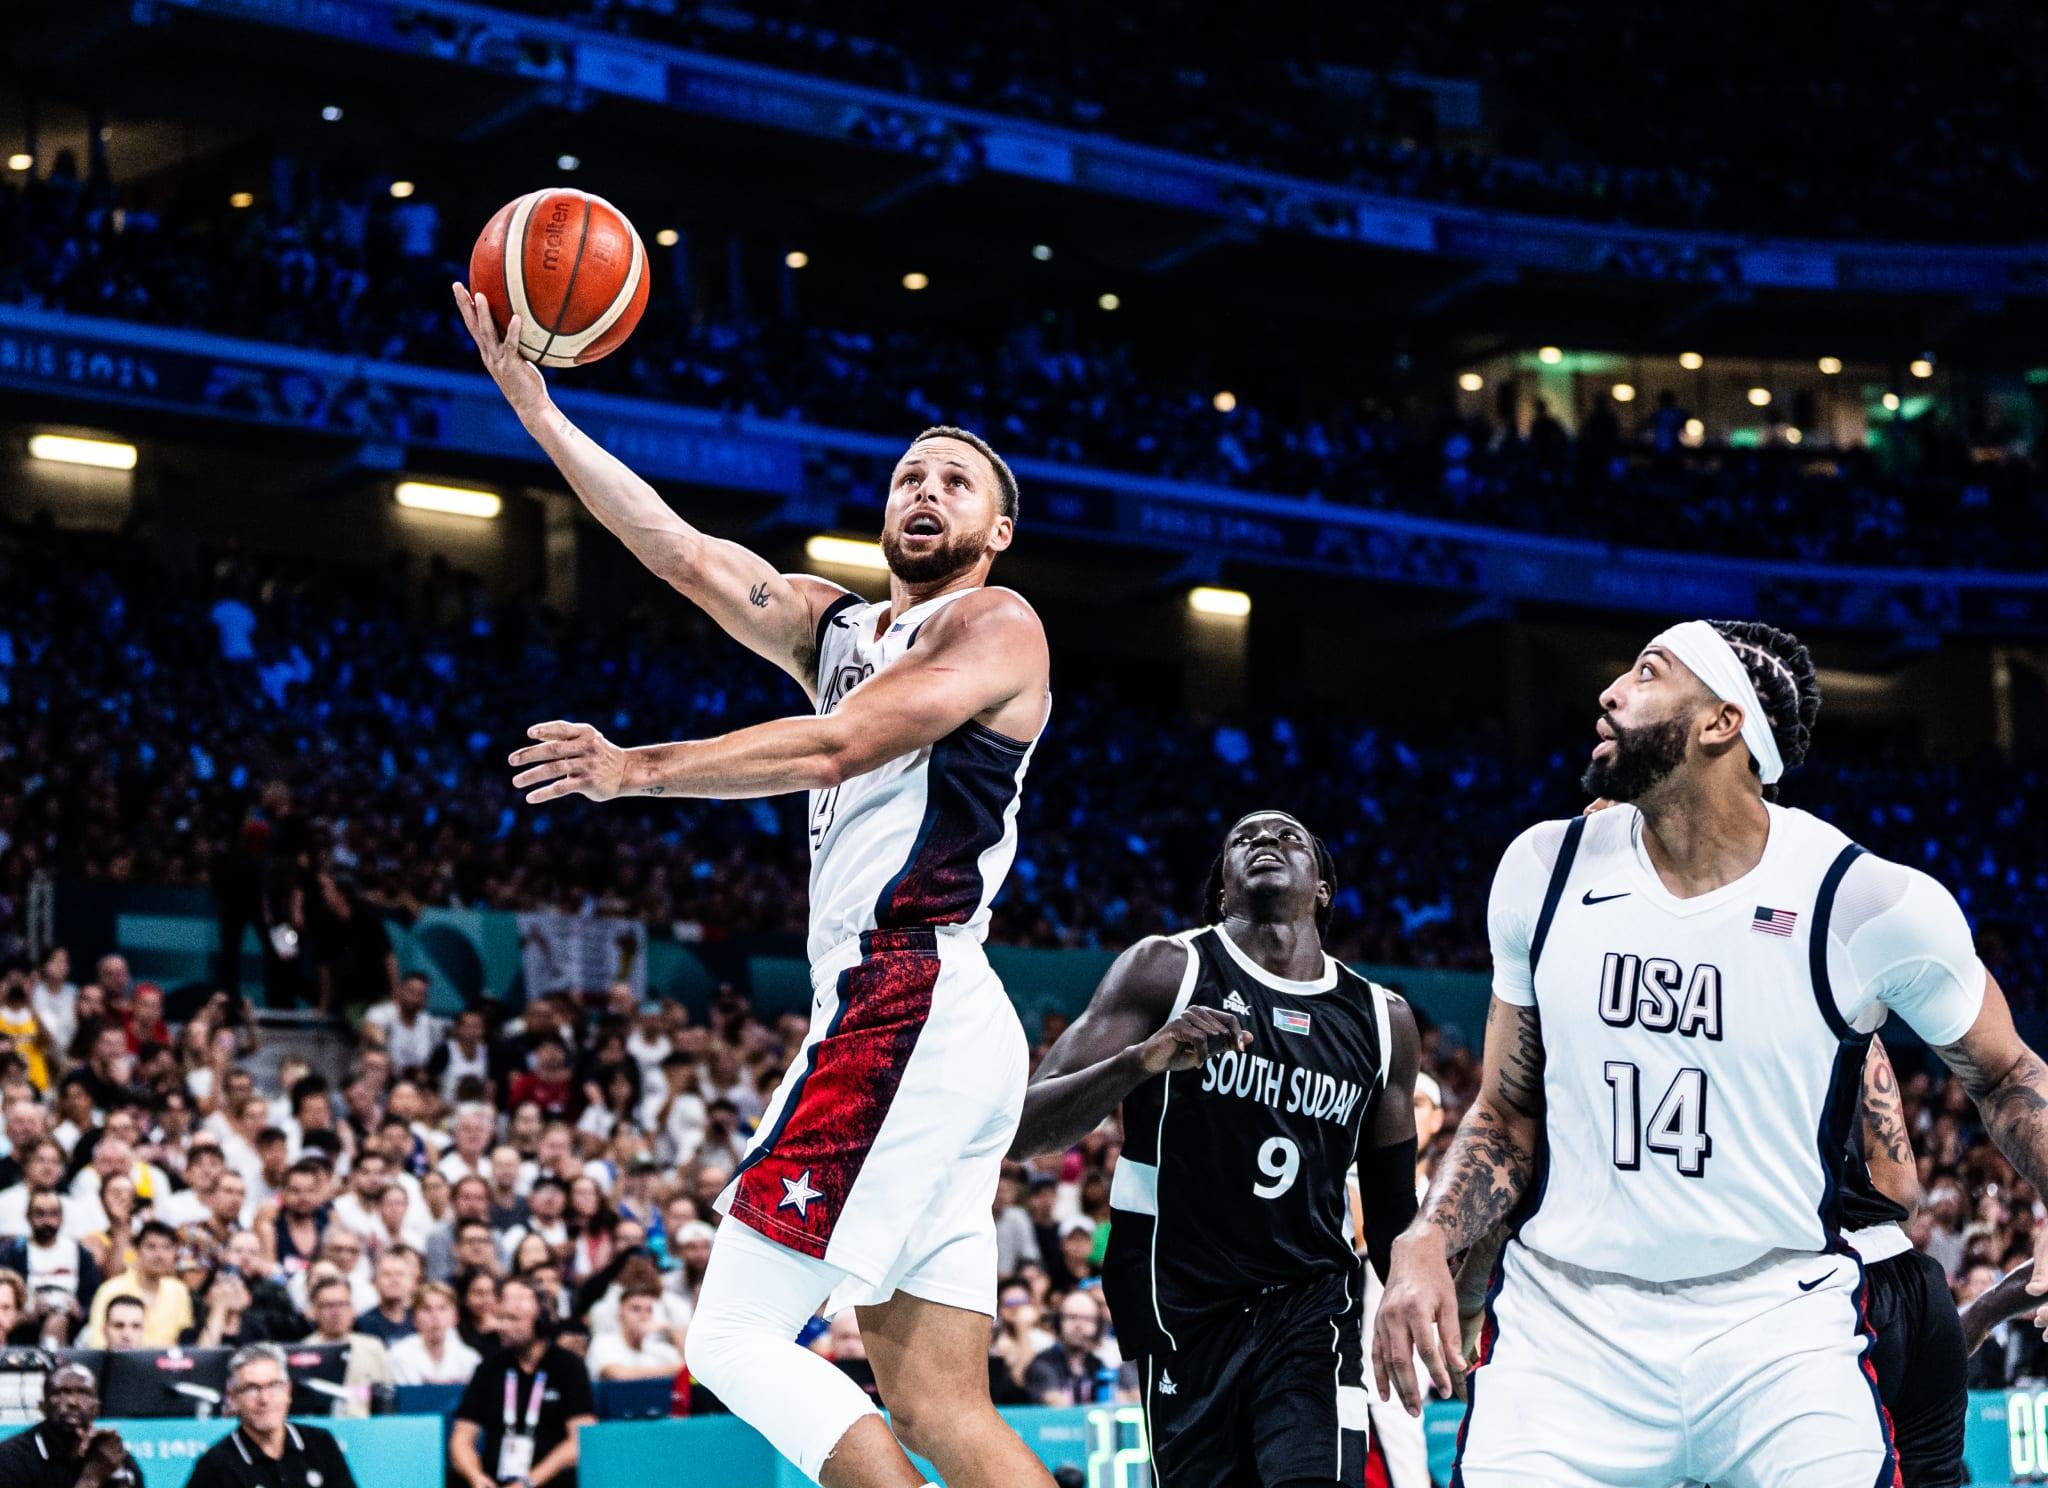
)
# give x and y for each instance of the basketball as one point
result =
(570, 266)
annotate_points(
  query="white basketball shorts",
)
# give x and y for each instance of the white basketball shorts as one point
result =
(881, 1149)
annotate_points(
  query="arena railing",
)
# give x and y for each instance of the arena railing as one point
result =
(963, 142)
(824, 477)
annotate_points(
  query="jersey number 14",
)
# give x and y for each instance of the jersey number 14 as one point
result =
(1677, 1129)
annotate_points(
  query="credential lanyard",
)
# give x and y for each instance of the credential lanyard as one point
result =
(513, 1425)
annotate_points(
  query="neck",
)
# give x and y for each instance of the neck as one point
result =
(903, 594)
(1702, 834)
(531, 1351)
(270, 1439)
(1287, 948)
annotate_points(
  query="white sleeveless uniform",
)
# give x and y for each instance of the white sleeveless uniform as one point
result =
(1678, 1304)
(880, 1150)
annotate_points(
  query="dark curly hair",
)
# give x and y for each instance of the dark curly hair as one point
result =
(1781, 670)
(1211, 910)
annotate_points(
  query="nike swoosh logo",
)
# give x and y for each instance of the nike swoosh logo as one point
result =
(1807, 1286)
(1591, 898)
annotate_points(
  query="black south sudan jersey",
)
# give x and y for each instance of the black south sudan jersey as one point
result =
(1231, 1185)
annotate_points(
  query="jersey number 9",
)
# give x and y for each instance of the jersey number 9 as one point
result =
(1280, 1161)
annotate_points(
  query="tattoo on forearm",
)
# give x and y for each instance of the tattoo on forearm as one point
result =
(2014, 1104)
(758, 596)
(654, 790)
(1485, 1174)
(1521, 1072)
(1884, 1117)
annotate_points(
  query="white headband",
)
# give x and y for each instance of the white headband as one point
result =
(1714, 662)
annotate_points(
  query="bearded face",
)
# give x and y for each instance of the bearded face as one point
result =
(930, 556)
(1640, 760)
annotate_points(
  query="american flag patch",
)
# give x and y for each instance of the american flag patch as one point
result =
(1290, 1022)
(1773, 921)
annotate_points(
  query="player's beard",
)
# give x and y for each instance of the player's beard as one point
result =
(936, 562)
(1641, 760)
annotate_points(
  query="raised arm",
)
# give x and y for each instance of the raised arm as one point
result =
(1126, 1036)
(773, 614)
(1386, 1156)
(1887, 1144)
(982, 658)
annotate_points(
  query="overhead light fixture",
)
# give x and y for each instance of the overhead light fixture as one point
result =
(1042, 252)
(1108, 301)
(1921, 367)
(67, 449)
(1550, 356)
(20, 160)
(1830, 366)
(668, 237)
(1471, 382)
(913, 281)
(567, 162)
(332, 113)
(1695, 429)
(1793, 436)
(1624, 392)
(242, 199)
(1891, 402)
(1224, 401)
(1759, 397)
(1692, 361)
(845, 552)
(796, 258)
(401, 189)
(455, 501)
(1232, 603)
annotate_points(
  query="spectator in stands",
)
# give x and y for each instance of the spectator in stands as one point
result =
(1071, 1371)
(1015, 1343)
(271, 1309)
(369, 1362)
(20, 1026)
(403, 1027)
(397, 1280)
(265, 1450)
(469, 1156)
(463, 1055)
(225, 1304)
(42, 1164)
(125, 1319)
(547, 1218)
(61, 1275)
(476, 1294)
(433, 1353)
(55, 997)
(1077, 1246)
(1016, 1239)
(549, 1084)
(68, 1450)
(167, 1305)
(537, 1445)
(291, 1228)
(637, 1348)
(356, 1207)
(472, 1201)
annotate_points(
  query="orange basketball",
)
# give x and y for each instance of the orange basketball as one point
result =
(570, 266)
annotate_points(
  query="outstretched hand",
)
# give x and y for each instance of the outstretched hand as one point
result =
(570, 759)
(517, 378)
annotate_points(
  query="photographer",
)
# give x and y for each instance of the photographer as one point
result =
(65, 1451)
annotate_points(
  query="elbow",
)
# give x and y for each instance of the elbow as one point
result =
(833, 759)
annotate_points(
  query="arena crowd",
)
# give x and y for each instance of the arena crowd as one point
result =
(1624, 473)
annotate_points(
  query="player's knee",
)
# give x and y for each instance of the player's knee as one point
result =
(939, 1424)
(717, 1345)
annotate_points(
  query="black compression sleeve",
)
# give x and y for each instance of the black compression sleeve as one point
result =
(1386, 1193)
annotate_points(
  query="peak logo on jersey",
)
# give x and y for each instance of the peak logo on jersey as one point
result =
(1284, 1087)
(1166, 1384)
(1235, 1004)
(1288, 1021)
(1773, 921)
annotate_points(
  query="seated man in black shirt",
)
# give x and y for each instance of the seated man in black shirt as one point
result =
(264, 1450)
(65, 1451)
(1069, 1372)
(518, 1419)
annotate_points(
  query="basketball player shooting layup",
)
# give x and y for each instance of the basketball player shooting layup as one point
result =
(872, 1178)
(1684, 990)
(1253, 1071)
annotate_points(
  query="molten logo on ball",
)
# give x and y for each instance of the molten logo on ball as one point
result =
(570, 266)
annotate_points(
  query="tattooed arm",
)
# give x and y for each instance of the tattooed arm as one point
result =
(2009, 1083)
(1887, 1145)
(1482, 1179)
(772, 614)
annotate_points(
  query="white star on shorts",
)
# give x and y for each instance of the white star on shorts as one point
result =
(797, 1194)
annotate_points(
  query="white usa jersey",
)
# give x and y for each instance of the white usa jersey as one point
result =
(923, 839)
(1704, 1056)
